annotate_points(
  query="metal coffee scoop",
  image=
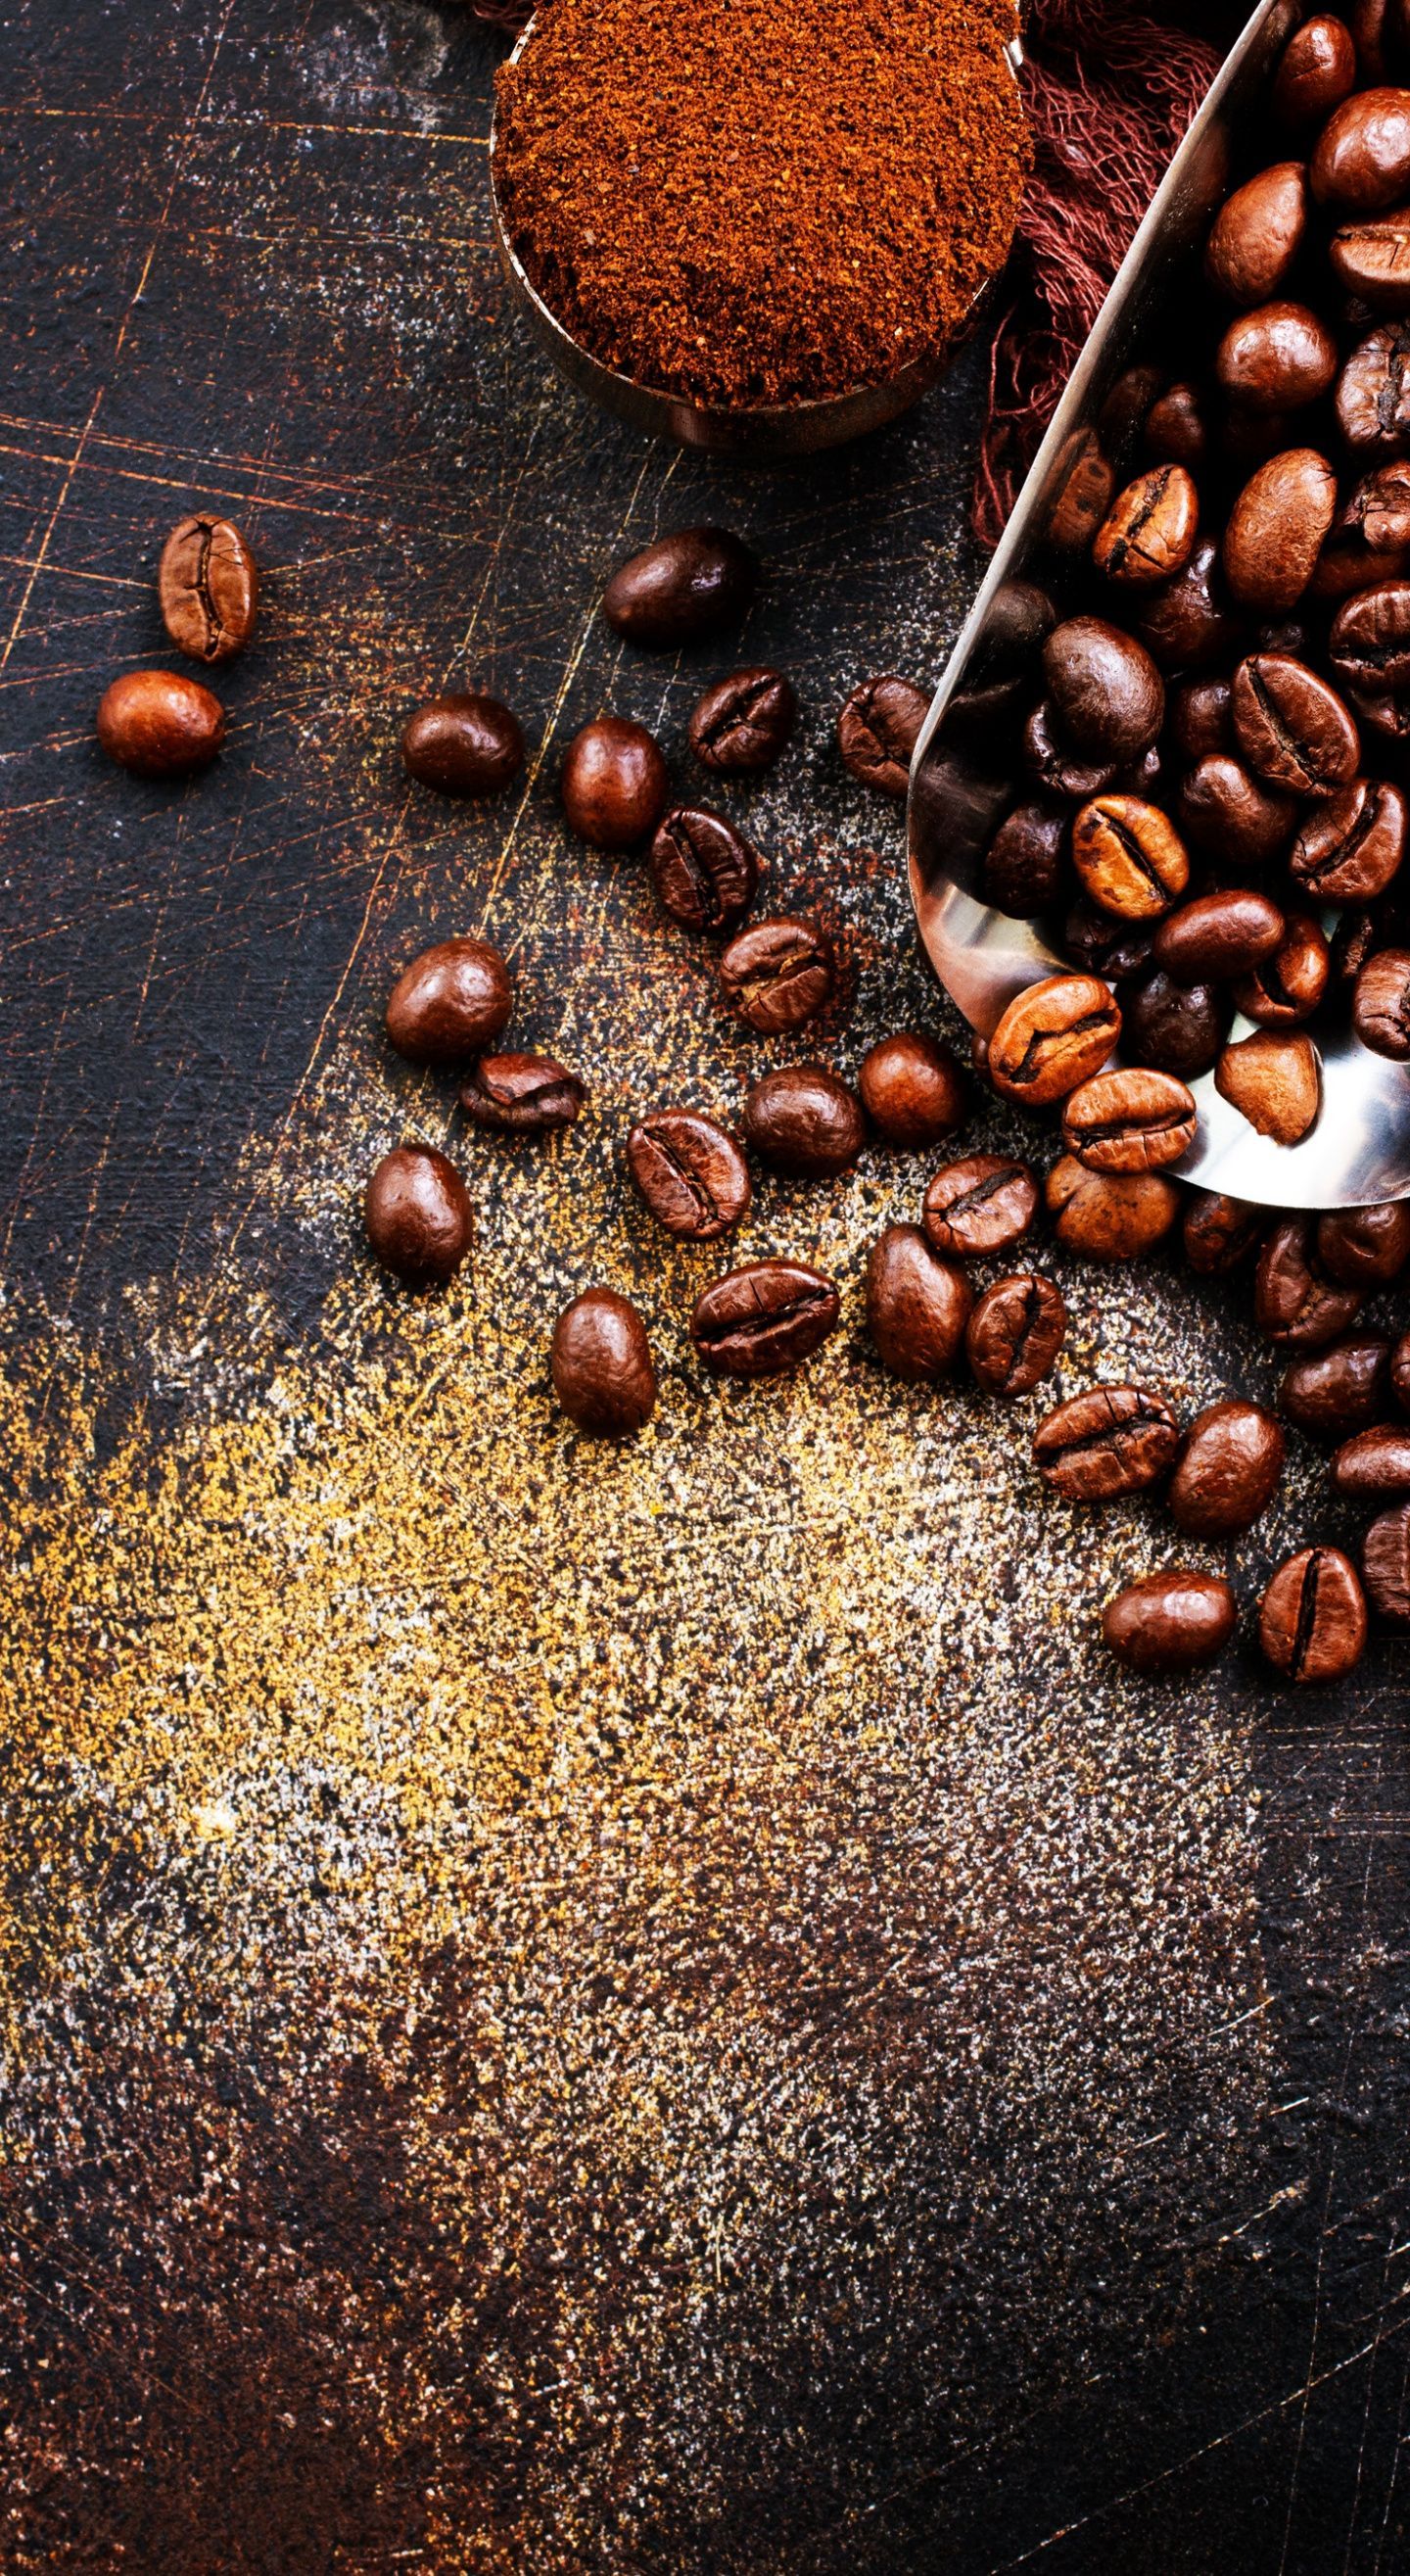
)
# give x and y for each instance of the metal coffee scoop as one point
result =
(968, 756)
(758, 435)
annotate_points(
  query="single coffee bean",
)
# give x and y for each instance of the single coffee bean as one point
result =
(1129, 1120)
(768, 1317)
(1362, 157)
(159, 724)
(917, 1306)
(1276, 530)
(1331, 1393)
(1374, 1466)
(1351, 845)
(614, 784)
(1312, 1620)
(805, 1122)
(1317, 71)
(1106, 1216)
(1385, 1566)
(450, 1003)
(1365, 1247)
(1230, 816)
(1098, 944)
(1175, 430)
(1110, 1441)
(705, 873)
(1106, 693)
(1131, 861)
(1220, 1233)
(690, 1173)
(1290, 985)
(1369, 258)
(1373, 397)
(1227, 1472)
(1170, 1623)
(1053, 1036)
(1376, 519)
(1150, 528)
(1291, 728)
(1024, 869)
(1355, 939)
(1258, 234)
(1293, 1304)
(466, 745)
(1277, 358)
(1015, 1333)
(683, 588)
(1274, 1080)
(603, 1373)
(523, 1095)
(1380, 1010)
(1200, 719)
(877, 732)
(745, 722)
(912, 1089)
(1370, 641)
(417, 1213)
(1083, 497)
(1175, 1028)
(980, 1205)
(208, 588)
(1218, 937)
(1055, 769)
(1127, 407)
(777, 974)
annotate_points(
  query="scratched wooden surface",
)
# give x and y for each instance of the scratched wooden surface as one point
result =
(569, 2011)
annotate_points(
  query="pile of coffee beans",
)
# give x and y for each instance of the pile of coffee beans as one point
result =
(162, 724)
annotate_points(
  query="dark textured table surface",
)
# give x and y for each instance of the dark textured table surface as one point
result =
(651, 2011)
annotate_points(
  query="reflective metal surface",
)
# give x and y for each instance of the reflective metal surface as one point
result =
(969, 758)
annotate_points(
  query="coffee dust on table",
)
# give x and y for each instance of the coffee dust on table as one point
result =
(747, 205)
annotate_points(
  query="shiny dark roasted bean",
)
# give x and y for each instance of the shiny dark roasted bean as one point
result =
(1015, 1334)
(1024, 869)
(1373, 394)
(690, 1173)
(1291, 728)
(417, 1214)
(1294, 1305)
(1175, 1028)
(744, 723)
(1332, 1393)
(1362, 157)
(467, 745)
(1352, 844)
(705, 873)
(980, 1205)
(1228, 1470)
(1187, 624)
(1106, 693)
(603, 1373)
(1317, 71)
(682, 588)
(523, 1095)
(1312, 1620)
(778, 974)
(159, 724)
(1220, 1233)
(917, 1306)
(805, 1122)
(1276, 531)
(614, 785)
(1365, 1247)
(1170, 1623)
(1108, 1216)
(1231, 815)
(1218, 937)
(757, 1321)
(1381, 1004)
(451, 1003)
(1374, 1466)
(878, 729)
(912, 1089)
(1277, 358)
(1289, 986)
(1257, 235)
(1112, 1440)
(1385, 1566)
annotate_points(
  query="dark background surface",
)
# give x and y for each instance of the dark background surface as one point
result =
(250, 267)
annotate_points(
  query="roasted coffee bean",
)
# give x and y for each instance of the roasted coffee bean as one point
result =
(1187, 624)
(1352, 844)
(777, 974)
(1200, 719)
(1274, 1080)
(1219, 936)
(1291, 728)
(1290, 985)
(1230, 816)
(463, 746)
(1293, 1304)
(1374, 1466)
(877, 732)
(805, 1122)
(705, 873)
(1370, 641)
(1371, 259)
(744, 723)
(1276, 359)
(417, 1214)
(1101, 945)
(1131, 861)
(690, 1173)
(1356, 937)
(159, 724)
(1175, 430)
(1015, 1333)
(682, 588)
(980, 1205)
(1107, 1217)
(1312, 1621)
(603, 1373)
(1149, 530)
(1053, 1036)
(1258, 234)
(1365, 1247)
(1362, 158)
(208, 588)
(768, 1317)
(450, 1003)
(1106, 693)
(523, 1095)
(1373, 398)
(1175, 1028)
(1054, 767)
(1380, 1010)
(1083, 495)
(614, 785)
(1110, 1441)
(1170, 1623)
(1385, 1566)
(912, 1089)
(1220, 1233)
(1276, 530)
(1227, 1472)
(917, 1306)
(1129, 1120)
(1376, 519)
(1332, 1393)
(1025, 866)
(1317, 71)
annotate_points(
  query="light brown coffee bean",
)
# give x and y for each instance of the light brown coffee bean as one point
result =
(1174, 1622)
(1150, 528)
(917, 1306)
(1082, 498)
(980, 1205)
(1110, 1441)
(1381, 1007)
(1015, 1333)
(1277, 359)
(1130, 1120)
(1053, 1036)
(1276, 530)
(1290, 985)
(1291, 727)
(1108, 1216)
(1275, 1082)
(1228, 1470)
(159, 724)
(208, 588)
(1312, 1620)
(1131, 861)
(1258, 234)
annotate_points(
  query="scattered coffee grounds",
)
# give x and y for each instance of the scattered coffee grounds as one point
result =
(748, 205)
